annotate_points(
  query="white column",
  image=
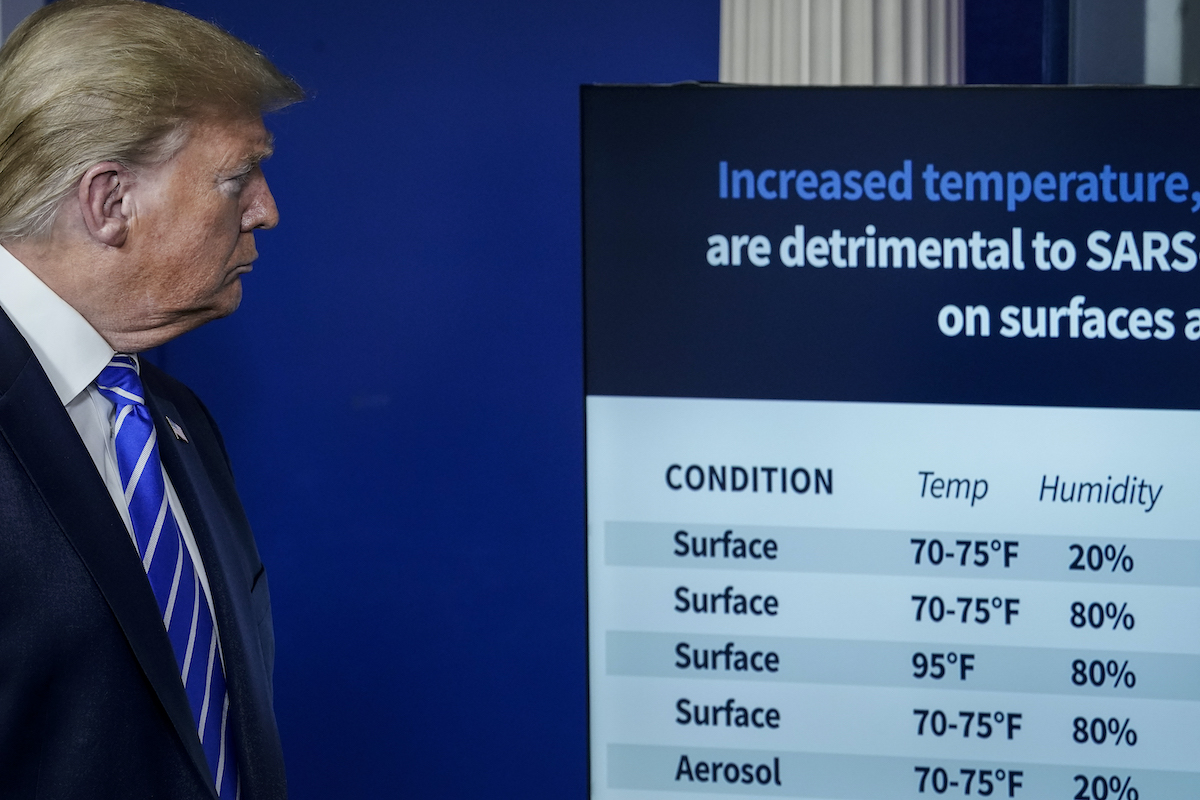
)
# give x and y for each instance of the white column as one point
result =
(1164, 42)
(842, 42)
(889, 43)
(1134, 41)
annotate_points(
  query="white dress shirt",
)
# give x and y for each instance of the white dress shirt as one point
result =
(72, 354)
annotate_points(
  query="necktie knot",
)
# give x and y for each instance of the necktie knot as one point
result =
(120, 382)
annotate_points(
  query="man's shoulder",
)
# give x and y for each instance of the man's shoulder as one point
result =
(194, 415)
(15, 353)
(164, 384)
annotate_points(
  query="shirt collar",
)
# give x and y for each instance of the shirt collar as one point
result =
(70, 350)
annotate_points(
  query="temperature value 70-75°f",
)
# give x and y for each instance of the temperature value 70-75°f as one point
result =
(965, 552)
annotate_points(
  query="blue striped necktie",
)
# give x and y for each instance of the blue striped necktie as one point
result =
(169, 567)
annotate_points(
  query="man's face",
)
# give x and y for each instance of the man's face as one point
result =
(191, 230)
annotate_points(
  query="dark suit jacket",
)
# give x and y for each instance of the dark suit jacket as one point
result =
(91, 705)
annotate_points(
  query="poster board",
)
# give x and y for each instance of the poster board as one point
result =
(893, 451)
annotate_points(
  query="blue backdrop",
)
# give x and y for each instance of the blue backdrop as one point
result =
(402, 389)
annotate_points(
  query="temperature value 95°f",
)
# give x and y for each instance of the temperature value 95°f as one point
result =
(965, 552)
(933, 665)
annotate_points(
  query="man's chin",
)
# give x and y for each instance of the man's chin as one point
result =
(229, 300)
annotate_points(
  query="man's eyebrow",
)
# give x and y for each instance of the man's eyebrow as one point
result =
(260, 155)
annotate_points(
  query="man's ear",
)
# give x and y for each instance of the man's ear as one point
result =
(102, 193)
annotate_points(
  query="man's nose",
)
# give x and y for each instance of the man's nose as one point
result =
(262, 212)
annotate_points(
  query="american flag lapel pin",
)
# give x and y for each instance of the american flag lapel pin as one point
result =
(178, 431)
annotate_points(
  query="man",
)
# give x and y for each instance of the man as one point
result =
(136, 645)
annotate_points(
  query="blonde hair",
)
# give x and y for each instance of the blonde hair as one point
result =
(86, 81)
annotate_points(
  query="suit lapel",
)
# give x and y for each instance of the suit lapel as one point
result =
(229, 581)
(41, 434)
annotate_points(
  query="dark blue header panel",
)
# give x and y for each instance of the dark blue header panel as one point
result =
(966, 245)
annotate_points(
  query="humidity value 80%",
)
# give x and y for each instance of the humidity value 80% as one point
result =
(1098, 615)
(1098, 672)
(1099, 730)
